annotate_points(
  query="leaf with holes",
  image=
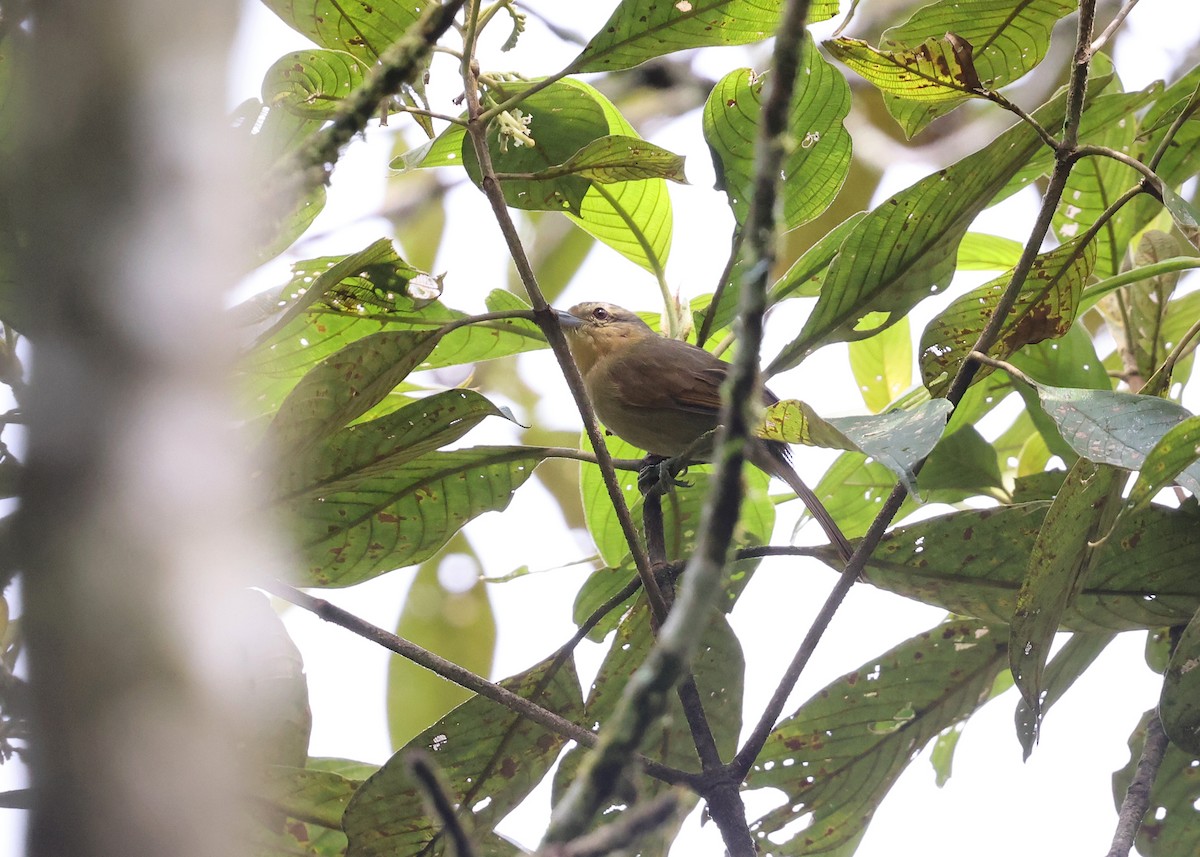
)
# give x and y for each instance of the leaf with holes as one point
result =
(405, 515)
(972, 563)
(1060, 564)
(1045, 308)
(312, 83)
(903, 251)
(836, 758)
(1008, 39)
(362, 29)
(491, 759)
(818, 149)
(898, 439)
(1120, 429)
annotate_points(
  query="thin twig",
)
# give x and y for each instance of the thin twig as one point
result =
(1027, 118)
(548, 321)
(453, 672)
(1131, 162)
(1183, 116)
(1137, 796)
(1109, 31)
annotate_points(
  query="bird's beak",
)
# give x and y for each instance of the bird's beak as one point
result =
(567, 320)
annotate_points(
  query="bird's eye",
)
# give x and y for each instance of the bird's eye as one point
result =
(600, 313)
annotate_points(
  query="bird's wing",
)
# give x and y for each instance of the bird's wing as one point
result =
(682, 377)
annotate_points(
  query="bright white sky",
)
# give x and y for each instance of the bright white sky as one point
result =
(1060, 800)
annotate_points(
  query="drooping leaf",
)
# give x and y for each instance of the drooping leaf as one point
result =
(719, 671)
(312, 83)
(819, 147)
(1045, 308)
(981, 563)
(404, 515)
(1067, 664)
(313, 796)
(362, 29)
(491, 758)
(369, 449)
(920, 228)
(1060, 564)
(840, 753)
(637, 32)
(898, 439)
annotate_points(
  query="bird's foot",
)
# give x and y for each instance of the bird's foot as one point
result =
(661, 474)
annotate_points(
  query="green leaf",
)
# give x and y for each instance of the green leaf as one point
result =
(1059, 565)
(275, 691)
(1179, 705)
(836, 758)
(637, 32)
(963, 461)
(903, 250)
(984, 553)
(457, 624)
(883, 365)
(345, 386)
(803, 279)
(369, 449)
(1009, 40)
(818, 145)
(362, 29)
(1096, 181)
(1068, 664)
(312, 83)
(405, 515)
(1169, 827)
(632, 217)
(491, 758)
(1045, 308)
(940, 72)
(898, 439)
(312, 796)
(334, 301)
(982, 252)
(853, 490)
(1173, 458)
(617, 158)
(1119, 429)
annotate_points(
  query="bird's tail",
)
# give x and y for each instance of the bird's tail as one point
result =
(778, 465)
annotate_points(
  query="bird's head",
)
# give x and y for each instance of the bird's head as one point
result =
(595, 329)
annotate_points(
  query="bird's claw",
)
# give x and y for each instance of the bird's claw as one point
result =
(661, 474)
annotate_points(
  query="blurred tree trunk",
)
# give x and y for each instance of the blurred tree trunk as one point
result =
(134, 530)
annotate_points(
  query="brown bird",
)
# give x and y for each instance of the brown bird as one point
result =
(662, 394)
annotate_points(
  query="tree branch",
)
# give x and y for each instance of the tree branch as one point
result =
(1137, 796)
